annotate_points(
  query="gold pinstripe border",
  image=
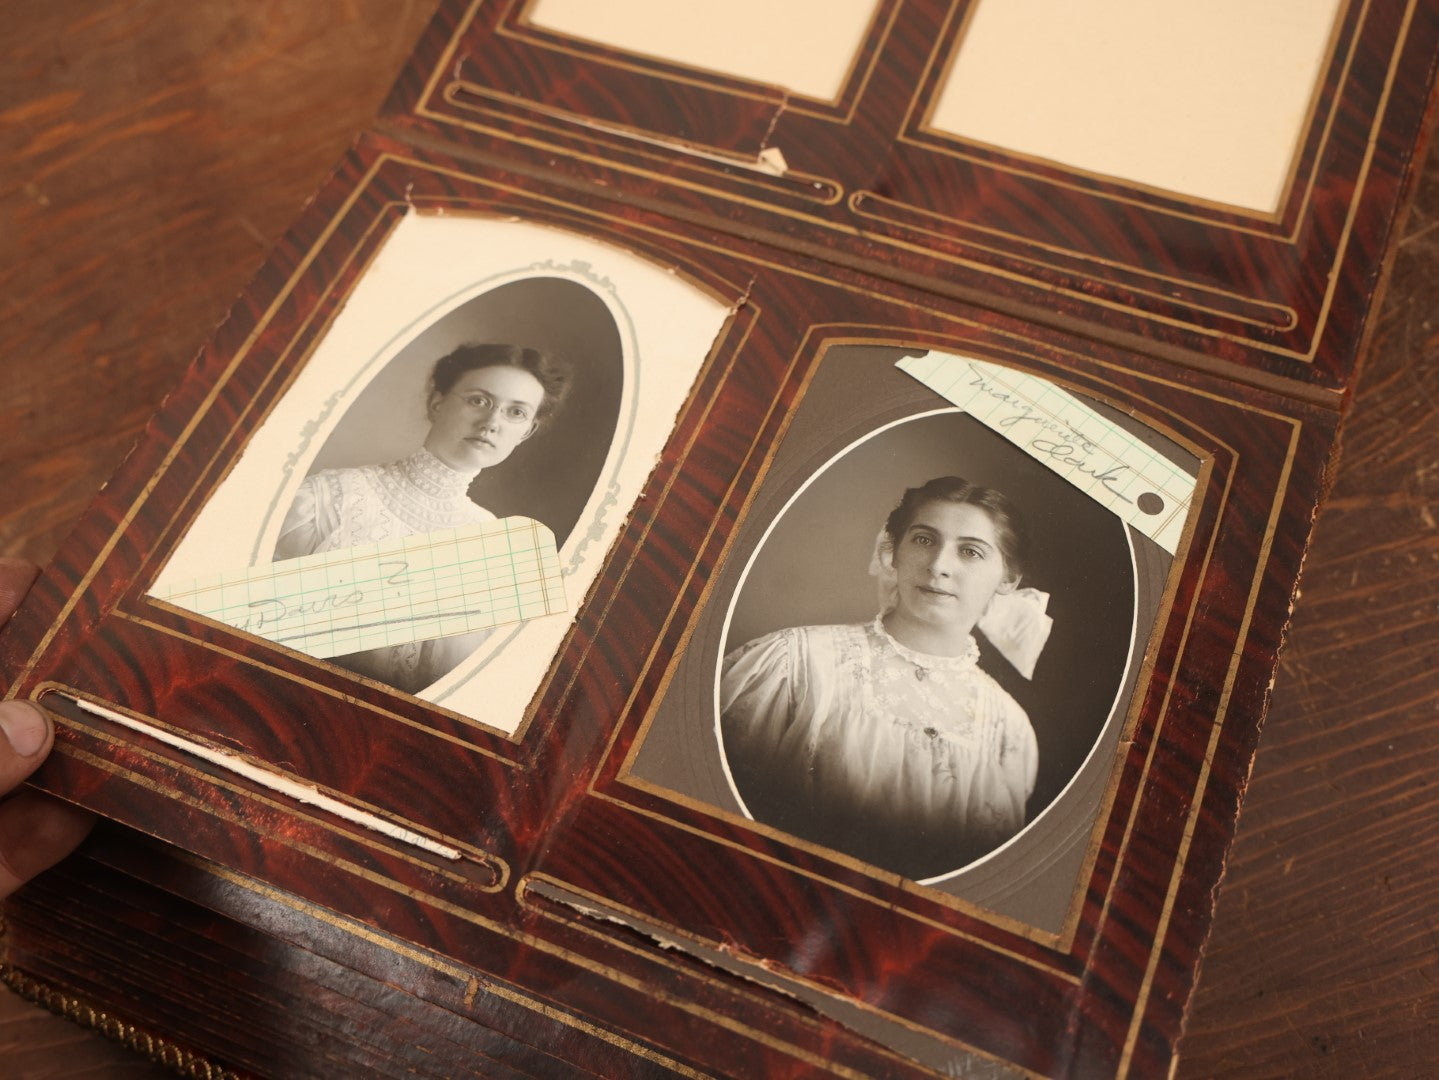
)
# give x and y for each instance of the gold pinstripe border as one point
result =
(1305, 354)
(363, 182)
(851, 335)
(394, 848)
(636, 920)
(947, 142)
(520, 25)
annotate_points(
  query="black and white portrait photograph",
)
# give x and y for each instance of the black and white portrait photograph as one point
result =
(476, 371)
(923, 648)
(466, 424)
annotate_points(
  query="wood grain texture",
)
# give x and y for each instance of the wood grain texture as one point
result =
(126, 131)
(1324, 960)
(116, 271)
(1109, 1000)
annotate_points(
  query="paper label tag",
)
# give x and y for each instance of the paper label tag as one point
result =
(451, 581)
(1096, 455)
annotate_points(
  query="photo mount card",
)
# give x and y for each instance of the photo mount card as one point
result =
(804, 610)
(1044, 918)
(558, 827)
(1267, 277)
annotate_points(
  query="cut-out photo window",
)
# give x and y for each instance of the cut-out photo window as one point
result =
(429, 501)
(922, 649)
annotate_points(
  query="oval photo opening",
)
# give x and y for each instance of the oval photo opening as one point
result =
(506, 405)
(896, 698)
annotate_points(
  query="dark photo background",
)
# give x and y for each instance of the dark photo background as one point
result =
(860, 433)
(813, 569)
(550, 476)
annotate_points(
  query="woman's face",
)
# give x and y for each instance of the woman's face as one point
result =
(949, 565)
(486, 414)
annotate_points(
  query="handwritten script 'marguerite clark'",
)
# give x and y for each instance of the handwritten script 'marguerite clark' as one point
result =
(1052, 437)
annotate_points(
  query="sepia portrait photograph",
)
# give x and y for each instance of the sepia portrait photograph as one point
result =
(470, 422)
(479, 371)
(923, 647)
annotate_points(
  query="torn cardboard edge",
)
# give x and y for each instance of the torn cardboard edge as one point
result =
(914, 1044)
(270, 779)
(770, 160)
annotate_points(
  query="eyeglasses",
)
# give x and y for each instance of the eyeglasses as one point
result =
(513, 412)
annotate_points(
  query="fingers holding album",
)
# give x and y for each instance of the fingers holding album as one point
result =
(36, 830)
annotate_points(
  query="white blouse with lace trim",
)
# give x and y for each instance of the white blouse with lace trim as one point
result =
(863, 728)
(339, 508)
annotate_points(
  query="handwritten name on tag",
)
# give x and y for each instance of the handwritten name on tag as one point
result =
(452, 581)
(1096, 455)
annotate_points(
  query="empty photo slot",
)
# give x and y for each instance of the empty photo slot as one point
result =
(804, 49)
(1209, 101)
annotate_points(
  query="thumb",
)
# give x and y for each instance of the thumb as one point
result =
(28, 736)
(36, 831)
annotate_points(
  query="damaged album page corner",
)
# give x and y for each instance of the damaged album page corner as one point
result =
(937, 692)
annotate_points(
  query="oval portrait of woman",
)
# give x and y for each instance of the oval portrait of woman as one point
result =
(506, 405)
(923, 648)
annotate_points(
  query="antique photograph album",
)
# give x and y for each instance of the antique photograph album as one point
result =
(709, 552)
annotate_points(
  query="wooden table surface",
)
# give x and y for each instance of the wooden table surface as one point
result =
(152, 152)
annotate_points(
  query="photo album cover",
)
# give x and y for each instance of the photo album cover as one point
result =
(753, 543)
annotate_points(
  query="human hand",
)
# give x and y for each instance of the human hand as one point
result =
(36, 830)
